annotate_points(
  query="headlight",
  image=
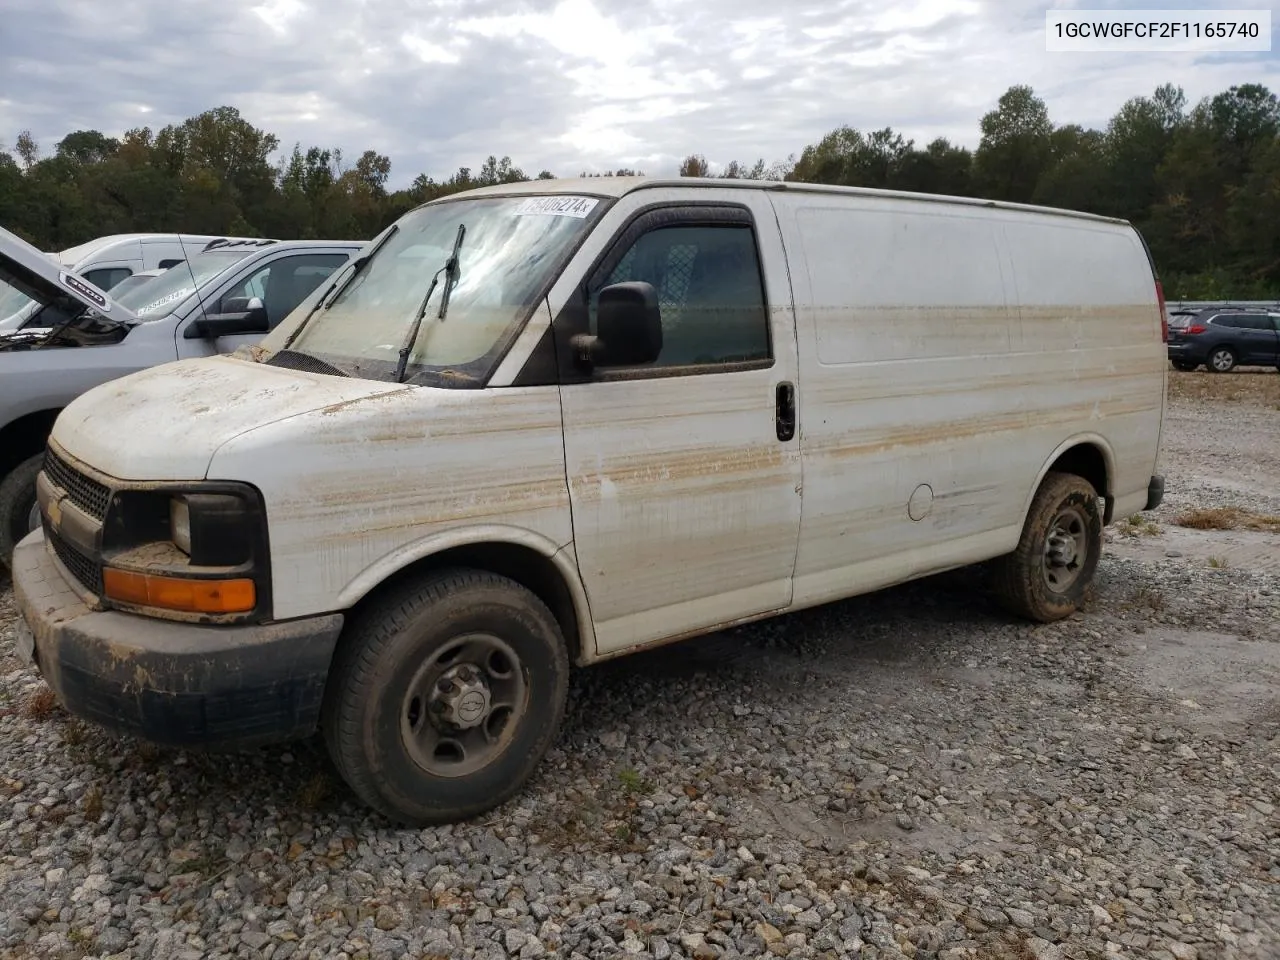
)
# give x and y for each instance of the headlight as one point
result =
(213, 529)
(196, 548)
(180, 524)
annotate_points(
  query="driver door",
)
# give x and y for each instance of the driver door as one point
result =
(684, 473)
(280, 285)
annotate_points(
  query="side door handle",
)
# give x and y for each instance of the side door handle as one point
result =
(784, 410)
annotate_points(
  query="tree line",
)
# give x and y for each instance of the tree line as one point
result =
(1201, 182)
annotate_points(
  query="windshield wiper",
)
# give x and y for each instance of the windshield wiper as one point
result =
(356, 265)
(57, 330)
(450, 270)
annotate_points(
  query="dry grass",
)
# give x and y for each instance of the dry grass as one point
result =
(42, 704)
(93, 803)
(1138, 526)
(1253, 386)
(313, 793)
(1228, 518)
(1149, 599)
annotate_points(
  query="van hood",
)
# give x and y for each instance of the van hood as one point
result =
(33, 272)
(166, 422)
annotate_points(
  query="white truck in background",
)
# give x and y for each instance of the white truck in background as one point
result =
(225, 296)
(106, 261)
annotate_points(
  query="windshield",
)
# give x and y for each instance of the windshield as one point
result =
(11, 300)
(130, 283)
(512, 249)
(158, 298)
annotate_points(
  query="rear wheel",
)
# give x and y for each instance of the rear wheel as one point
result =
(1222, 360)
(1046, 576)
(19, 511)
(445, 695)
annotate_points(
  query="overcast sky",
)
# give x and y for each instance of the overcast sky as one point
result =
(567, 85)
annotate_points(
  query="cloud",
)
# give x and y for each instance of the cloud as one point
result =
(564, 85)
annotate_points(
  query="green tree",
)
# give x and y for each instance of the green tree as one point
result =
(940, 167)
(695, 165)
(1077, 173)
(1137, 140)
(1015, 148)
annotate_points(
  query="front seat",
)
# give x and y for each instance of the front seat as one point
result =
(279, 299)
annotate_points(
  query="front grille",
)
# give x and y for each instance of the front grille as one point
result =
(85, 492)
(84, 569)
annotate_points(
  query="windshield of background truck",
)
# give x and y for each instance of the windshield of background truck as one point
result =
(510, 252)
(159, 296)
(11, 300)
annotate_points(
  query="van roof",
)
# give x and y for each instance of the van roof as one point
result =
(73, 255)
(614, 187)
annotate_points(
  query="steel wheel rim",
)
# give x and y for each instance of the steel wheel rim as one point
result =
(1066, 549)
(1222, 360)
(463, 706)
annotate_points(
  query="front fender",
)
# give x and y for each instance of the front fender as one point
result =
(562, 557)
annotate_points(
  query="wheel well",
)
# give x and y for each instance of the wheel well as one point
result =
(1087, 461)
(24, 437)
(525, 566)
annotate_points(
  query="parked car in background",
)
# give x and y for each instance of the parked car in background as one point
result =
(107, 261)
(1223, 338)
(77, 336)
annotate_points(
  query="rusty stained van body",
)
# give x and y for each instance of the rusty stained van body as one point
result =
(556, 422)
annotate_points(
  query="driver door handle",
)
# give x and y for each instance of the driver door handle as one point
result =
(784, 410)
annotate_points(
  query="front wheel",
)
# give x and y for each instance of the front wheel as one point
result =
(19, 511)
(445, 695)
(1222, 360)
(1046, 576)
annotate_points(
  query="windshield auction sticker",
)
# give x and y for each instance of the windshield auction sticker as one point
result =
(578, 207)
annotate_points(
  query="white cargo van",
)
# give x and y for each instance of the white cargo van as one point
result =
(551, 423)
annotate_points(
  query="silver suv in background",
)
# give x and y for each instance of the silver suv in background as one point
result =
(225, 297)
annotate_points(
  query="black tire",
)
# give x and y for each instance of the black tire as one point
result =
(388, 652)
(1184, 365)
(17, 500)
(1023, 580)
(1221, 360)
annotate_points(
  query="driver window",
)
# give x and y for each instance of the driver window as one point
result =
(284, 283)
(709, 290)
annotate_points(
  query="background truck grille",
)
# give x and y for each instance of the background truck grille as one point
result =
(86, 493)
(85, 569)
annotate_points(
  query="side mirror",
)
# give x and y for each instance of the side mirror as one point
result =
(628, 327)
(239, 315)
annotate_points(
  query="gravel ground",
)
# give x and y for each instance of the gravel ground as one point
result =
(905, 774)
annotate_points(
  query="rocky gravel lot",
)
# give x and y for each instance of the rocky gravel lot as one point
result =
(907, 774)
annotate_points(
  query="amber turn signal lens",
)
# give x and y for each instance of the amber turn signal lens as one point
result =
(176, 593)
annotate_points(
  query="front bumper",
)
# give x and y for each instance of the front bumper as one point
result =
(176, 684)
